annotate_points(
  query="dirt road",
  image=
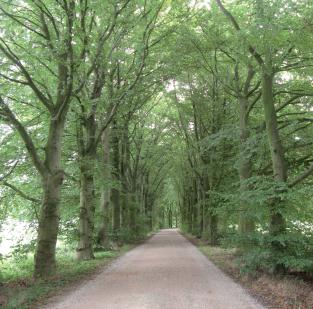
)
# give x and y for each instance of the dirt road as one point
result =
(167, 272)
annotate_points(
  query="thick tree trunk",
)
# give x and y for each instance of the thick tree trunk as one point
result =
(246, 222)
(45, 263)
(277, 153)
(52, 179)
(87, 153)
(277, 222)
(103, 234)
(87, 209)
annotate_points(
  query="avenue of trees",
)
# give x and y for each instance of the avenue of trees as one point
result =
(120, 117)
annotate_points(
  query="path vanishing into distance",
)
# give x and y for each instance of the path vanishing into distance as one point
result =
(166, 272)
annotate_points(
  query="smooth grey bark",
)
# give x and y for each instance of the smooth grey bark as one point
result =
(104, 228)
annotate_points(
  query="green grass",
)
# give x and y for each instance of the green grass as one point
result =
(224, 258)
(21, 291)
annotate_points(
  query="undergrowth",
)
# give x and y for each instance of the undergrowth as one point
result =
(18, 289)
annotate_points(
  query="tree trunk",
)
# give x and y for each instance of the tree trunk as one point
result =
(213, 226)
(87, 208)
(52, 179)
(200, 197)
(170, 218)
(125, 158)
(87, 152)
(246, 222)
(134, 213)
(190, 211)
(103, 234)
(149, 211)
(115, 193)
(277, 222)
(195, 209)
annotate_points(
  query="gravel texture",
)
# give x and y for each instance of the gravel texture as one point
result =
(166, 272)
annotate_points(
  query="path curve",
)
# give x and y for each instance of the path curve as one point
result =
(166, 272)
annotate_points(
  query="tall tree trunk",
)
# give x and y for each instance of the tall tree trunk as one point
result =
(148, 203)
(170, 218)
(87, 191)
(277, 222)
(103, 234)
(125, 158)
(134, 215)
(115, 192)
(87, 208)
(246, 222)
(52, 179)
(190, 208)
(205, 204)
(195, 209)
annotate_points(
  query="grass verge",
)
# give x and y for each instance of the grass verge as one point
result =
(18, 289)
(275, 292)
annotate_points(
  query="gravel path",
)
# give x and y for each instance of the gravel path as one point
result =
(166, 272)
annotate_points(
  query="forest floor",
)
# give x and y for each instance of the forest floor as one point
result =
(275, 292)
(166, 272)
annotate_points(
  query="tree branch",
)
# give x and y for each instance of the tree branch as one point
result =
(232, 19)
(301, 177)
(29, 144)
(30, 82)
(20, 192)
